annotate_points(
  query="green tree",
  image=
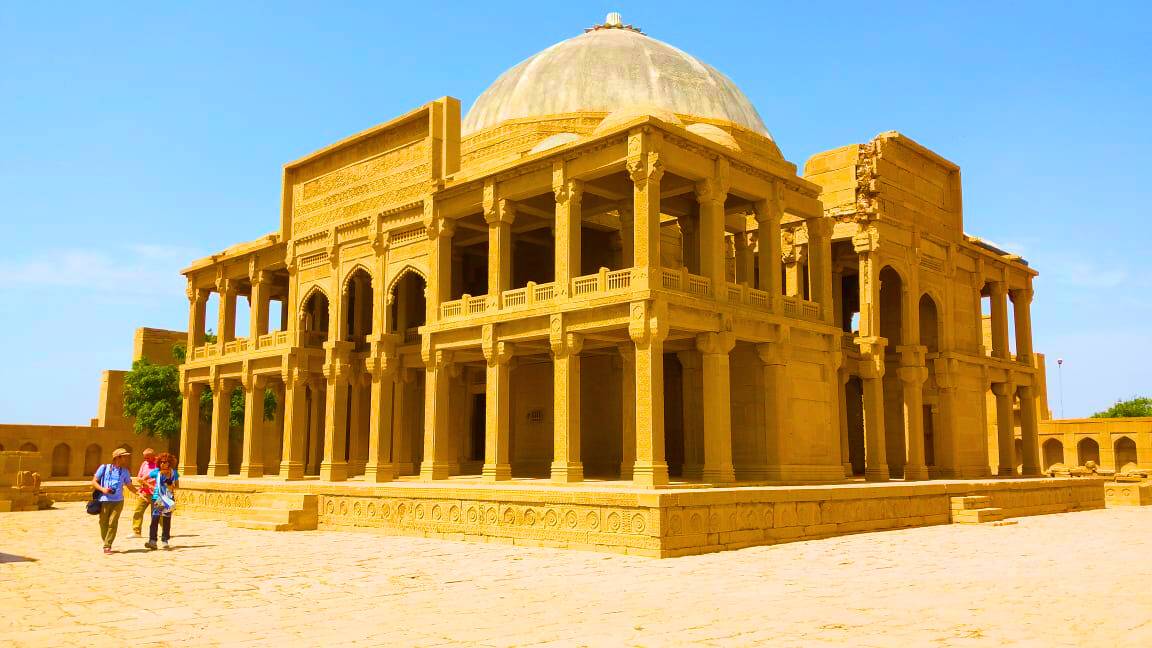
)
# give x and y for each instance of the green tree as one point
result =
(1138, 406)
(152, 396)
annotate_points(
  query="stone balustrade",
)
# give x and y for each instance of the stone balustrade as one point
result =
(276, 340)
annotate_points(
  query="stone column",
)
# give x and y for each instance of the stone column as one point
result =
(842, 378)
(745, 262)
(383, 370)
(768, 213)
(1029, 433)
(338, 374)
(1022, 312)
(437, 410)
(627, 235)
(259, 299)
(645, 170)
(566, 463)
(226, 322)
(358, 412)
(568, 194)
(872, 379)
(190, 428)
(314, 440)
(648, 331)
(403, 461)
(690, 242)
(440, 267)
(628, 413)
(692, 382)
(820, 266)
(498, 407)
(197, 300)
(295, 426)
(221, 414)
(1005, 433)
(947, 455)
(774, 357)
(866, 244)
(999, 320)
(711, 194)
(252, 462)
(499, 215)
(714, 349)
(912, 375)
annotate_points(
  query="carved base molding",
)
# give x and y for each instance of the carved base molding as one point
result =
(655, 523)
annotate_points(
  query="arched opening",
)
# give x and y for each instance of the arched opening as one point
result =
(314, 319)
(408, 303)
(29, 447)
(1087, 450)
(929, 324)
(1125, 449)
(1053, 452)
(358, 303)
(92, 457)
(892, 328)
(61, 457)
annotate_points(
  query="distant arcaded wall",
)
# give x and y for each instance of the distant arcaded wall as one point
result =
(1113, 443)
(155, 345)
(70, 452)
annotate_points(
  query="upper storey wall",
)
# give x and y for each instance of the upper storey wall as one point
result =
(386, 167)
(906, 183)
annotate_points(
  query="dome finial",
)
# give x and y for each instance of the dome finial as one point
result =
(613, 21)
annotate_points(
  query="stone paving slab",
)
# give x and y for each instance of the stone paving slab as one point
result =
(1056, 580)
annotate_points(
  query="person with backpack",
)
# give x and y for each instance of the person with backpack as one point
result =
(163, 480)
(111, 479)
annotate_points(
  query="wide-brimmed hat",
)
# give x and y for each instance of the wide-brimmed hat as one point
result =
(120, 452)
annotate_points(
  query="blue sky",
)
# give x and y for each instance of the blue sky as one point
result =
(137, 137)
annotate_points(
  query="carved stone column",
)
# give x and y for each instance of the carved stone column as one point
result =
(1029, 433)
(999, 320)
(258, 305)
(1022, 312)
(197, 301)
(499, 214)
(498, 406)
(913, 374)
(226, 322)
(820, 265)
(569, 194)
(627, 235)
(440, 233)
(714, 349)
(295, 425)
(648, 331)
(768, 214)
(692, 387)
(382, 367)
(645, 170)
(190, 428)
(872, 378)
(866, 244)
(745, 261)
(221, 415)
(1005, 432)
(252, 461)
(774, 358)
(338, 373)
(437, 410)
(842, 378)
(628, 412)
(566, 463)
(711, 194)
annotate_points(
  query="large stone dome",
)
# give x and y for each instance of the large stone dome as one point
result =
(608, 68)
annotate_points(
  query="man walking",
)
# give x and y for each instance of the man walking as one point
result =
(111, 480)
(145, 500)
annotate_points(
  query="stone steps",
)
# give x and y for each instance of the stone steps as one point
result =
(279, 512)
(975, 509)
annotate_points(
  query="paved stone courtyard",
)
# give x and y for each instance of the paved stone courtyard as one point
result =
(1071, 579)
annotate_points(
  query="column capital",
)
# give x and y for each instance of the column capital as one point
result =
(912, 375)
(253, 381)
(440, 228)
(776, 351)
(912, 355)
(196, 296)
(498, 353)
(1021, 296)
(646, 325)
(1004, 389)
(997, 289)
(225, 286)
(715, 343)
(566, 345)
(645, 169)
(435, 359)
(568, 191)
(502, 212)
(866, 241)
(712, 189)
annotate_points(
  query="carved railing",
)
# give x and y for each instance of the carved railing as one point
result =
(604, 281)
(683, 281)
(268, 341)
(412, 335)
